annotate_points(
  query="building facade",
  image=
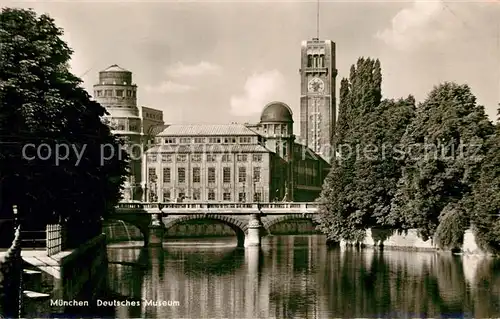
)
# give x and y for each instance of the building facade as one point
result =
(234, 162)
(118, 94)
(318, 96)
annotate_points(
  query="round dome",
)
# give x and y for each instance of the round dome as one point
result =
(276, 112)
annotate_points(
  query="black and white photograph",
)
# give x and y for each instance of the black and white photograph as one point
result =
(250, 159)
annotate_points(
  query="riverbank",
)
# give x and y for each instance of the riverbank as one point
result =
(410, 241)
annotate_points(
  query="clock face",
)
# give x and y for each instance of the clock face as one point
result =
(316, 85)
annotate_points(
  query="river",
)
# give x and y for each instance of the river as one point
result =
(298, 277)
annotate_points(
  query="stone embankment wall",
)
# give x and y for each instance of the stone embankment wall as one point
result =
(411, 241)
(84, 269)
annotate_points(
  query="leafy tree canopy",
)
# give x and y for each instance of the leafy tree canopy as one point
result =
(359, 189)
(42, 102)
(444, 146)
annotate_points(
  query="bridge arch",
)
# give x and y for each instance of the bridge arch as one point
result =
(240, 227)
(267, 224)
(137, 223)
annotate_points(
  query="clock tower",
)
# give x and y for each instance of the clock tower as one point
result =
(317, 97)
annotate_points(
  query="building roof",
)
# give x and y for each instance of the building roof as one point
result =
(210, 148)
(303, 152)
(115, 68)
(276, 112)
(207, 130)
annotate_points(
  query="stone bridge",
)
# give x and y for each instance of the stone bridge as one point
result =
(250, 221)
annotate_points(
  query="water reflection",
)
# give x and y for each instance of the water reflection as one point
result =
(298, 276)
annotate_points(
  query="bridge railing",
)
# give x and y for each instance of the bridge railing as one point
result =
(228, 205)
(11, 292)
(55, 238)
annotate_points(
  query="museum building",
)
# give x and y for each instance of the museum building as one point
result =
(234, 162)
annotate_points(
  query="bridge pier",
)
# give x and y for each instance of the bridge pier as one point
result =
(156, 231)
(254, 232)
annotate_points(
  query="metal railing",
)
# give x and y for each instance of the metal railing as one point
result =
(33, 239)
(55, 239)
(198, 205)
(11, 292)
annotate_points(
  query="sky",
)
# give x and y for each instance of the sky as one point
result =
(223, 61)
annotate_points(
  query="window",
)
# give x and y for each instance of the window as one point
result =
(152, 158)
(257, 197)
(226, 158)
(152, 174)
(245, 140)
(120, 126)
(211, 174)
(166, 174)
(166, 195)
(283, 129)
(226, 175)
(181, 158)
(119, 93)
(133, 93)
(242, 174)
(256, 174)
(196, 175)
(132, 127)
(196, 194)
(226, 196)
(229, 140)
(152, 197)
(241, 197)
(199, 140)
(185, 140)
(166, 158)
(108, 92)
(211, 194)
(181, 174)
(98, 93)
(196, 158)
(129, 93)
(241, 157)
(257, 157)
(181, 194)
(211, 158)
(214, 140)
(170, 140)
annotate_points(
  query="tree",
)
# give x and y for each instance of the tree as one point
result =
(485, 198)
(377, 168)
(443, 145)
(42, 103)
(360, 120)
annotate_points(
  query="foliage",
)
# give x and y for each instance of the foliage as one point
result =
(453, 222)
(447, 142)
(486, 199)
(42, 102)
(359, 188)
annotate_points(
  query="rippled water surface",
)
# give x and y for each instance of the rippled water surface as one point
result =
(299, 277)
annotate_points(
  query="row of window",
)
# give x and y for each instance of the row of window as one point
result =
(115, 93)
(203, 140)
(316, 61)
(196, 195)
(275, 129)
(153, 116)
(211, 175)
(167, 158)
(124, 125)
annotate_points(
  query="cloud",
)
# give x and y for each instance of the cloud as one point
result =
(259, 89)
(183, 70)
(415, 26)
(169, 87)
